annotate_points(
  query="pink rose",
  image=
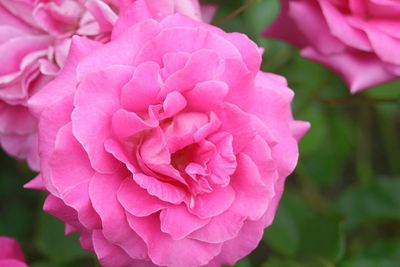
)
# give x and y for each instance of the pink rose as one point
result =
(358, 39)
(166, 146)
(35, 37)
(10, 253)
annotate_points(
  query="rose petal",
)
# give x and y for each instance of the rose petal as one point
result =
(163, 249)
(115, 227)
(136, 200)
(104, 89)
(212, 204)
(179, 223)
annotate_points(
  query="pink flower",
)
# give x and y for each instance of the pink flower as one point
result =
(166, 146)
(35, 37)
(10, 253)
(358, 39)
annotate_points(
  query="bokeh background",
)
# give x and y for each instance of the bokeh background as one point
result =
(341, 206)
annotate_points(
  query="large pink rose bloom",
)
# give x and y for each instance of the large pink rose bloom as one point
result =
(35, 37)
(359, 39)
(166, 146)
(10, 253)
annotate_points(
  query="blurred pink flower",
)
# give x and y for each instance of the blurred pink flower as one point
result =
(358, 39)
(35, 37)
(10, 253)
(166, 146)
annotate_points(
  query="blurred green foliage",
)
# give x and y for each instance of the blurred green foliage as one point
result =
(341, 206)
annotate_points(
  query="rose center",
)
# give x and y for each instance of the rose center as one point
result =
(181, 158)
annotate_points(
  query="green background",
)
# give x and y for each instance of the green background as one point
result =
(341, 206)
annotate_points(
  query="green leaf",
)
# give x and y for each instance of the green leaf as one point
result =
(384, 249)
(284, 234)
(282, 263)
(41, 264)
(370, 263)
(323, 237)
(244, 263)
(384, 253)
(378, 201)
(259, 15)
(52, 242)
(389, 90)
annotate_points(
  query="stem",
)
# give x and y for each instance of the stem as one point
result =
(364, 167)
(389, 133)
(235, 13)
(339, 101)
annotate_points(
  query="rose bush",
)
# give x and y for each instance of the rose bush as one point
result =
(358, 39)
(166, 146)
(10, 253)
(35, 37)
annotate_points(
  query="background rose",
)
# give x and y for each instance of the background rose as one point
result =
(10, 253)
(35, 37)
(166, 146)
(357, 39)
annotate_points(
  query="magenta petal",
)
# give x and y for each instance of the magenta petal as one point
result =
(201, 66)
(359, 72)
(121, 51)
(207, 129)
(173, 104)
(244, 243)
(186, 39)
(112, 256)
(56, 207)
(115, 227)
(66, 81)
(260, 153)
(15, 50)
(173, 62)
(340, 28)
(250, 52)
(120, 153)
(104, 89)
(154, 150)
(53, 118)
(36, 184)
(239, 80)
(22, 147)
(142, 90)
(10, 249)
(12, 263)
(238, 124)
(162, 190)
(272, 106)
(285, 28)
(69, 159)
(211, 93)
(108, 254)
(314, 27)
(78, 199)
(103, 14)
(208, 11)
(252, 196)
(221, 228)
(179, 223)
(16, 120)
(126, 124)
(212, 204)
(163, 249)
(383, 46)
(223, 164)
(299, 129)
(136, 200)
(131, 13)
